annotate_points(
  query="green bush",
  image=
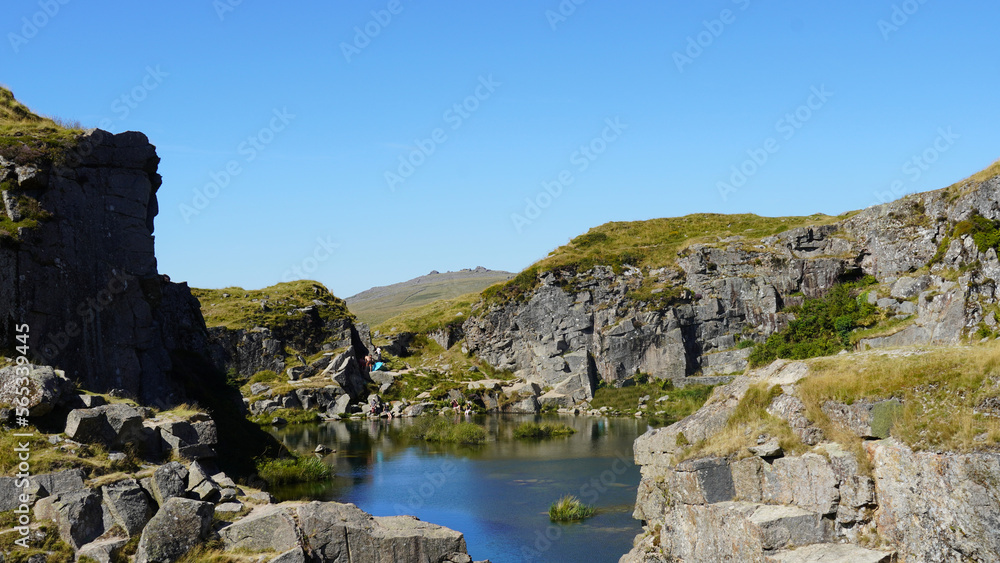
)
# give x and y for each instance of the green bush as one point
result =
(568, 509)
(300, 469)
(527, 430)
(822, 326)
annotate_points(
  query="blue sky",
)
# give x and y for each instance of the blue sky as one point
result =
(524, 123)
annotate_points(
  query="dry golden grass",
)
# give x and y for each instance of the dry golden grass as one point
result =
(950, 395)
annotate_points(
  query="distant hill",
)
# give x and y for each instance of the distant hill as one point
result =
(380, 303)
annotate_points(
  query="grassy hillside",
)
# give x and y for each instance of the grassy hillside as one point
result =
(653, 243)
(431, 316)
(236, 308)
(377, 305)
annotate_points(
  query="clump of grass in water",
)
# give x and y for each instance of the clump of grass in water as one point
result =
(569, 509)
(438, 429)
(529, 430)
(283, 471)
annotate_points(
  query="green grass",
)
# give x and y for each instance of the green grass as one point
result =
(431, 316)
(570, 509)
(291, 416)
(240, 311)
(646, 244)
(442, 429)
(534, 430)
(396, 300)
(822, 326)
(57, 550)
(300, 469)
(27, 137)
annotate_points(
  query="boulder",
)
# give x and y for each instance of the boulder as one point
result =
(340, 407)
(46, 387)
(111, 425)
(169, 481)
(271, 528)
(129, 504)
(177, 527)
(105, 550)
(78, 516)
(339, 532)
(556, 400)
(524, 405)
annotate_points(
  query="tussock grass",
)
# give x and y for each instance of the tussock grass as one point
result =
(950, 395)
(46, 458)
(441, 429)
(299, 469)
(57, 551)
(534, 430)
(569, 509)
(749, 420)
(291, 416)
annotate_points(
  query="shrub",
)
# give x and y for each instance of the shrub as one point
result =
(822, 326)
(300, 469)
(543, 430)
(568, 509)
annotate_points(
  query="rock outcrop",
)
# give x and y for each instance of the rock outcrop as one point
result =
(84, 279)
(576, 328)
(824, 504)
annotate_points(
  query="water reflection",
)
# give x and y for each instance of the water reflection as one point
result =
(497, 494)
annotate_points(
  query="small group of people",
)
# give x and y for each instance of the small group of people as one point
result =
(369, 362)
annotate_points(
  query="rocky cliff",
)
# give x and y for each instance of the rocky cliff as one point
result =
(697, 311)
(873, 480)
(77, 264)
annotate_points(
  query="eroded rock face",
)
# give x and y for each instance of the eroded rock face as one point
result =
(585, 326)
(85, 280)
(922, 507)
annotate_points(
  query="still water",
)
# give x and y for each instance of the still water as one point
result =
(497, 494)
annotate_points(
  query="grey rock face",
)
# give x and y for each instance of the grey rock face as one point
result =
(177, 527)
(108, 317)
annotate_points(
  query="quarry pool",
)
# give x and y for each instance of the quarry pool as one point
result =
(497, 494)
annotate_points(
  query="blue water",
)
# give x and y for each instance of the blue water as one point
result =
(498, 494)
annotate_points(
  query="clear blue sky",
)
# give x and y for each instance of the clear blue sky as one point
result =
(200, 84)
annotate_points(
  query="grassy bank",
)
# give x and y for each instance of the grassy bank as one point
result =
(442, 429)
